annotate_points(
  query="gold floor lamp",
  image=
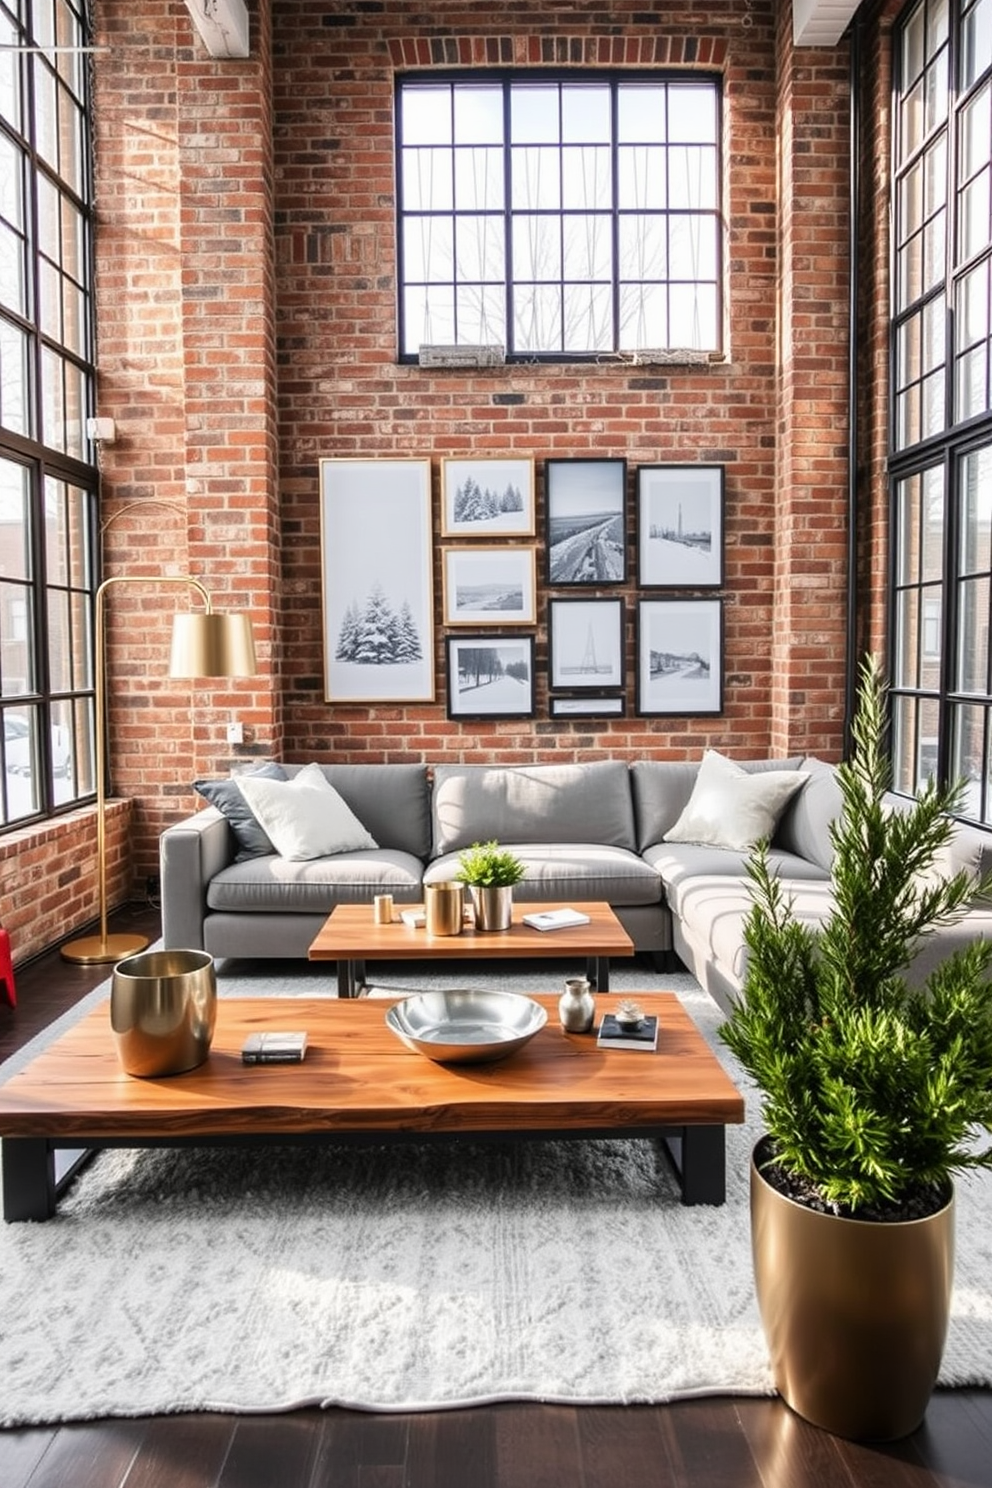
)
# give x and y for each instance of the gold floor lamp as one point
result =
(205, 643)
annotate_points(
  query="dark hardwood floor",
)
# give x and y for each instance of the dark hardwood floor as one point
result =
(711, 1443)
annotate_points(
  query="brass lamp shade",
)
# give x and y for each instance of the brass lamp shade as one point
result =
(212, 644)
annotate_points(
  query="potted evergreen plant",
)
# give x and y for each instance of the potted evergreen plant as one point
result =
(873, 1093)
(489, 872)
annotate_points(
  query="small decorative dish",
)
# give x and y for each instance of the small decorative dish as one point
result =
(463, 1026)
(629, 1014)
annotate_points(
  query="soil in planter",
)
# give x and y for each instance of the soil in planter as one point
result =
(920, 1203)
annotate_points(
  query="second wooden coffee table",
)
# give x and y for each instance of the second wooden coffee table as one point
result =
(351, 937)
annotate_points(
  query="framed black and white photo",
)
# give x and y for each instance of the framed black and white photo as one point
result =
(679, 656)
(482, 497)
(489, 586)
(490, 676)
(586, 504)
(680, 526)
(585, 643)
(610, 706)
(377, 576)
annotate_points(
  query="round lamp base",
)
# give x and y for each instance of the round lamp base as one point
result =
(92, 950)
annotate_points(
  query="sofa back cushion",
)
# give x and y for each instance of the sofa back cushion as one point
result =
(661, 791)
(532, 803)
(391, 801)
(804, 828)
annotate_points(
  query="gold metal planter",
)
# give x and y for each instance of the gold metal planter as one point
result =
(163, 1006)
(855, 1311)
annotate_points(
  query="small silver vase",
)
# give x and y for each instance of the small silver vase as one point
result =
(577, 1006)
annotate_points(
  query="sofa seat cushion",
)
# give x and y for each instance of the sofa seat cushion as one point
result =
(573, 803)
(714, 907)
(576, 870)
(277, 885)
(677, 861)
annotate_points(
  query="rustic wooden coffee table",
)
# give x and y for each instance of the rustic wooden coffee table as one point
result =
(351, 937)
(359, 1081)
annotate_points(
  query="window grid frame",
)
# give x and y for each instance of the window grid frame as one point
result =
(507, 80)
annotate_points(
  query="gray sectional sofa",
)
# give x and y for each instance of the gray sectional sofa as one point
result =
(596, 831)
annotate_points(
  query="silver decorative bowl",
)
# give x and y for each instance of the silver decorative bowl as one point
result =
(163, 1005)
(464, 1026)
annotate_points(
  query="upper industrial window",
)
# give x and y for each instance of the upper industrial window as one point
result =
(573, 216)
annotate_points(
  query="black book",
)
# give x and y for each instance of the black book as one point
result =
(274, 1048)
(642, 1035)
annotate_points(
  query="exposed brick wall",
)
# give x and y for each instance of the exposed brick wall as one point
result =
(247, 288)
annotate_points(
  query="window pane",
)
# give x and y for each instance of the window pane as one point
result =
(480, 248)
(587, 178)
(692, 248)
(536, 248)
(427, 183)
(976, 42)
(585, 113)
(692, 177)
(59, 652)
(13, 378)
(12, 270)
(536, 178)
(907, 670)
(904, 736)
(693, 317)
(641, 113)
(643, 248)
(588, 248)
(968, 756)
(426, 115)
(641, 177)
(692, 114)
(975, 481)
(481, 314)
(429, 317)
(478, 115)
(537, 318)
(643, 316)
(971, 671)
(534, 114)
(479, 180)
(428, 249)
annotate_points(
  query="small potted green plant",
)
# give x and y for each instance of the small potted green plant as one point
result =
(489, 872)
(873, 1094)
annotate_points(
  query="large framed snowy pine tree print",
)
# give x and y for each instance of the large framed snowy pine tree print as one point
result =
(378, 590)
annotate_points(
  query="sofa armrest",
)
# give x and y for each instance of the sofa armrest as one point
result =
(190, 853)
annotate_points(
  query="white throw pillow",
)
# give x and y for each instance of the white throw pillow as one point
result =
(730, 807)
(304, 817)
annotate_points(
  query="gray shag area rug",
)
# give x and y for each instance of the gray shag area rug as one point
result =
(405, 1278)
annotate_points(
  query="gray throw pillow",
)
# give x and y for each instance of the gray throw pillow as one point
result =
(252, 840)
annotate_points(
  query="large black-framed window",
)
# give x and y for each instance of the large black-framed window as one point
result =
(564, 216)
(48, 478)
(941, 427)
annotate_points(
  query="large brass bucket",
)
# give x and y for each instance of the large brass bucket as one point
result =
(855, 1311)
(163, 1005)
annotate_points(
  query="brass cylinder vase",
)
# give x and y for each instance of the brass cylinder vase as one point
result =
(163, 1006)
(493, 906)
(443, 904)
(855, 1311)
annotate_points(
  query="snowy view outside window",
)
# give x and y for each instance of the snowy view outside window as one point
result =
(568, 217)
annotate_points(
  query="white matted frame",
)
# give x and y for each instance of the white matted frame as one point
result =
(609, 706)
(680, 526)
(585, 644)
(377, 574)
(489, 586)
(586, 505)
(483, 497)
(679, 656)
(490, 676)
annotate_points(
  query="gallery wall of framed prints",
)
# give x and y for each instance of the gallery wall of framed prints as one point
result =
(377, 564)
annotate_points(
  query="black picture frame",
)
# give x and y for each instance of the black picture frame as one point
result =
(586, 644)
(679, 657)
(585, 503)
(490, 676)
(680, 512)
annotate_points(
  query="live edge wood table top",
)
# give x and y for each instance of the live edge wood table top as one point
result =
(359, 1081)
(351, 937)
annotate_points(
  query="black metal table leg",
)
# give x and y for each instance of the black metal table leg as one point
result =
(699, 1154)
(28, 1178)
(598, 972)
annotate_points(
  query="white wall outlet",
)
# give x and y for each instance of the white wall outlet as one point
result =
(235, 733)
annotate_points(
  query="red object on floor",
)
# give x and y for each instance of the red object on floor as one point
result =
(7, 969)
